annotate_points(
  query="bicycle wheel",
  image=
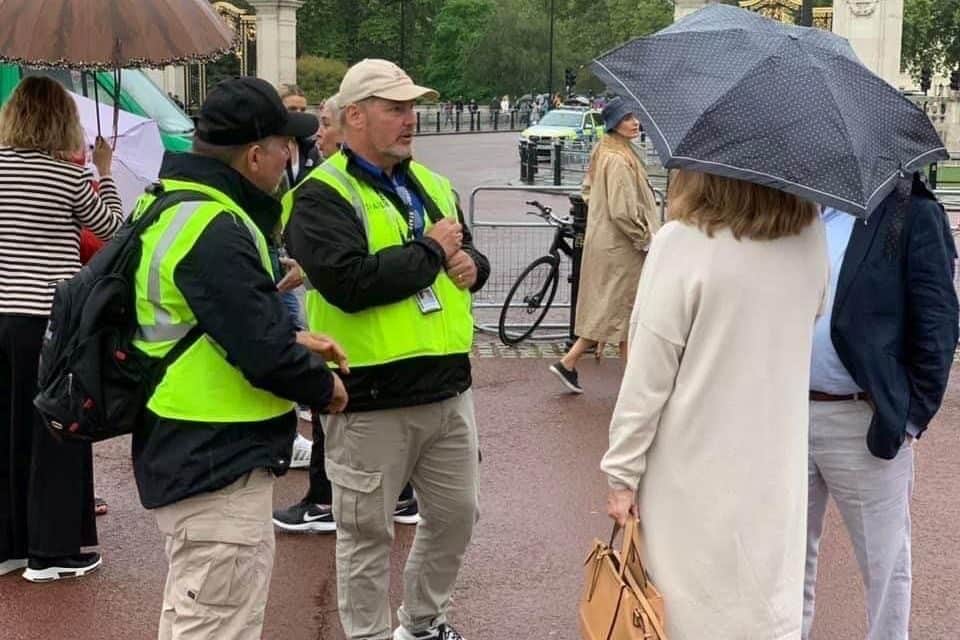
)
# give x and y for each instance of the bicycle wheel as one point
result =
(529, 300)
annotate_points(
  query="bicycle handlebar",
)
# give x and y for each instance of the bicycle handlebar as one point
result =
(547, 214)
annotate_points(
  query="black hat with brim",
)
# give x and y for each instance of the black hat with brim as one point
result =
(242, 110)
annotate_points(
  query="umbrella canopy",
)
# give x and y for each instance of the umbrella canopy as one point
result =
(139, 148)
(109, 34)
(729, 92)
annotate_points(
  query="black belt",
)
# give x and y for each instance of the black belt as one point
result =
(819, 396)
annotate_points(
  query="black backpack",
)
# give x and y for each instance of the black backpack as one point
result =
(93, 383)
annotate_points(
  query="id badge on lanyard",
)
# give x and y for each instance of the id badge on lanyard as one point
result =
(427, 300)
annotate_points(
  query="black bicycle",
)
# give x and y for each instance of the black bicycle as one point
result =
(531, 295)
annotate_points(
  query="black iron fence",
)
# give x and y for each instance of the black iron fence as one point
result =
(435, 120)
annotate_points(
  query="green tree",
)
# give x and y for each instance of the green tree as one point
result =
(458, 30)
(319, 77)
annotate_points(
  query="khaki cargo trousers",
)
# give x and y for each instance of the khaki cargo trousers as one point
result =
(370, 456)
(220, 549)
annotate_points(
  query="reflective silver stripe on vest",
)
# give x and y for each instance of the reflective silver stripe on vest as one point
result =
(347, 183)
(165, 329)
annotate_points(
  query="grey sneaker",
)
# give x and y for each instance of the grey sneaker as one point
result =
(568, 377)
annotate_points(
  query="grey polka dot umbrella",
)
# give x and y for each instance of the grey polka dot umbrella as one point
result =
(729, 92)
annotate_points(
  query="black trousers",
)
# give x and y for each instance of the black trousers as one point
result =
(46, 487)
(320, 491)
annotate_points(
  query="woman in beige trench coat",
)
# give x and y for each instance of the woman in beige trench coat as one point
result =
(622, 219)
(708, 440)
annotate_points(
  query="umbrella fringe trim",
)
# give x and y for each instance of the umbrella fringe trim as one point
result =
(130, 63)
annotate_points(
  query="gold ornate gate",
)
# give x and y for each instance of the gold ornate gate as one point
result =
(789, 11)
(241, 61)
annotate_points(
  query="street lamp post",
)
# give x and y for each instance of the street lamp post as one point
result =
(550, 59)
(403, 29)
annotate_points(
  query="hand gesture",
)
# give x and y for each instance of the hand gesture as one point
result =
(621, 505)
(293, 277)
(325, 347)
(448, 233)
(339, 399)
(462, 270)
(103, 157)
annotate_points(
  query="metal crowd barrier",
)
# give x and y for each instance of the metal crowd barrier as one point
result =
(511, 245)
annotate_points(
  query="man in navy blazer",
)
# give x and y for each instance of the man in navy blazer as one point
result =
(881, 359)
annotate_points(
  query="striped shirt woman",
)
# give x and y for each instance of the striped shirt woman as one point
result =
(46, 493)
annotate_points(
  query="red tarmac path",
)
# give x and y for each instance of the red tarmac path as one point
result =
(542, 498)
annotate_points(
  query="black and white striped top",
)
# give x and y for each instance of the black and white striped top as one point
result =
(43, 205)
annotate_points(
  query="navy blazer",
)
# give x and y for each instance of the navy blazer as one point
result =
(895, 314)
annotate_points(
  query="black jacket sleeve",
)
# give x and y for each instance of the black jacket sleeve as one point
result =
(932, 310)
(479, 259)
(327, 239)
(237, 304)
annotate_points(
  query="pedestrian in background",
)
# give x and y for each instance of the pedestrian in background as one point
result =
(304, 154)
(881, 360)
(710, 427)
(219, 425)
(382, 243)
(46, 486)
(330, 135)
(621, 221)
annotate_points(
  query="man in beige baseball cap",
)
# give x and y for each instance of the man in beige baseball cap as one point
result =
(373, 78)
(391, 265)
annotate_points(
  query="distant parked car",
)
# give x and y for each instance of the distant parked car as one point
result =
(567, 123)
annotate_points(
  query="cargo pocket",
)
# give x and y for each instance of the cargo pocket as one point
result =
(358, 505)
(227, 567)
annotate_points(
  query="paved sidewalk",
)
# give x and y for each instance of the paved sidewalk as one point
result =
(542, 499)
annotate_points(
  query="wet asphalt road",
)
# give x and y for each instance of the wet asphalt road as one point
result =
(542, 496)
(542, 499)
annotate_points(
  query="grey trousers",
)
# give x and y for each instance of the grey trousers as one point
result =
(873, 496)
(370, 456)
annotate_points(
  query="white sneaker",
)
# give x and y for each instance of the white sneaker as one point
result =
(300, 459)
(11, 565)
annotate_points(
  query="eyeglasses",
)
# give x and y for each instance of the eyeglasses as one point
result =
(296, 109)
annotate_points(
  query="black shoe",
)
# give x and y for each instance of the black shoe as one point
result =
(407, 512)
(568, 377)
(50, 569)
(440, 632)
(305, 516)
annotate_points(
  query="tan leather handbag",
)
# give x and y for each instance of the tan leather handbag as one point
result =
(619, 602)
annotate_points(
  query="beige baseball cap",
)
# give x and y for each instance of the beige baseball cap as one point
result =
(374, 78)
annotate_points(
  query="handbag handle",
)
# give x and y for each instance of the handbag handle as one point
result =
(628, 544)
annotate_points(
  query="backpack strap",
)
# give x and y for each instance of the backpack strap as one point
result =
(164, 201)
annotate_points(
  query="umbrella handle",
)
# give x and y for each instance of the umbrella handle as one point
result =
(116, 106)
(96, 100)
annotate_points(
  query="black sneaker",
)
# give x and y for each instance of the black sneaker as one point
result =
(50, 569)
(305, 516)
(407, 512)
(568, 377)
(440, 632)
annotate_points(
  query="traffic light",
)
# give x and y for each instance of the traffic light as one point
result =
(925, 79)
(569, 78)
(955, 79)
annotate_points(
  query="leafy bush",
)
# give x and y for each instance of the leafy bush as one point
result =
(319, 77)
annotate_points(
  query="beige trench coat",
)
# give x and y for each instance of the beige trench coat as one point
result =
(621, 220)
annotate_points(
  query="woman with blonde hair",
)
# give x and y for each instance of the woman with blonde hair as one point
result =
(46, 487)
(621, 221)
(710, 427)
